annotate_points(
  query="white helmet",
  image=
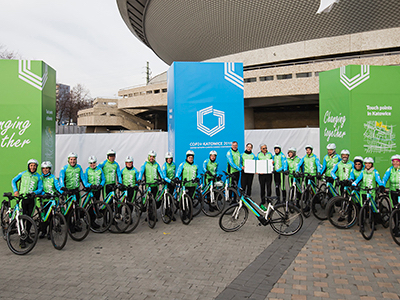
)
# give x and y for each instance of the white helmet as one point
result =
(33, 161)
(396, 156)
(92, 159)
(110, 152)
(129, 159)
(277, 146)
(168, 155)
(213, 152)
(292, 149)
(309, 146)
(46, 164)
(72, 154)
(189, 153)
(331, 146)
(369, 160)
(358, 158)
(152, 153)
(345, 151)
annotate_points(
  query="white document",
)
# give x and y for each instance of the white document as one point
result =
(250, 166)
(265, 166)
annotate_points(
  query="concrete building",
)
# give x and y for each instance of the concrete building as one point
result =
(283, 45)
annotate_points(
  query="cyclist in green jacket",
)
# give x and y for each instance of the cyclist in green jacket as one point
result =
(94, 176)
(292, 161)
(50, 186)
(30, 184)
(265, 180)
(358, 167)
(234, 163)
(342, 170)
(210, 166)
(130, 177)
(188, 171)
(169, 170)
(111, 171)
(369, 178)
(309, 164)
(280, 167)
(392, 175)
(247, 178)
(330, 160)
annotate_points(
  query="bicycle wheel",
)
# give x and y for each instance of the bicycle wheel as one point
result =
(185, 209)
(233, 218)
(100, 216)
(197, 203)
(367, 224)
(213, 207)
(385, 211)
(4, 219)
(121, 217)
(135, 217)
(342, 213)
(286, 222)
(318, 205)
(23, 242)
(395, 225)
(58, 229)
(151, 211)
(305, 203)
(233, 195)
(78, 224)
(167, 208)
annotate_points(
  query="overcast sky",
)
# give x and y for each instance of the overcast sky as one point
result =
(85, 41)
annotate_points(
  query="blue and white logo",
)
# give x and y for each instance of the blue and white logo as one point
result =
(232, 76)
(217, 113)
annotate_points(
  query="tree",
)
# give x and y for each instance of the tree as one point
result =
(69, 103)
(6, 54)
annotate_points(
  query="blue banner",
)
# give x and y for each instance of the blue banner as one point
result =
(205, 109)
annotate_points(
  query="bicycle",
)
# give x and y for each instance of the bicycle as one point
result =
(147, 203)
(51, 213)
(372, 214)
(133, 206)
(184, 201)
(285, 219)
(167, 202)
(20, 239)
(77, 217)
(343, 211)
(121, 213)
(394, 221)
(213, 199)
(100, 212)
(321, 199)
(295, 190)
(229, 190)
(309, 189)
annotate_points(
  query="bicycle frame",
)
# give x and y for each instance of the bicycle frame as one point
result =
(255, 209)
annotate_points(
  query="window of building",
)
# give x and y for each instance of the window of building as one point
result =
(129, 95)
(252, 79)
(156, 91)
(164, 90)
(267, 78)
(149, 92)
(304, 75)
(284, 76)
(317, 74)
(136, 94)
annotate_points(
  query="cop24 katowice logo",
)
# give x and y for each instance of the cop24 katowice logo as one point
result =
(217, 113)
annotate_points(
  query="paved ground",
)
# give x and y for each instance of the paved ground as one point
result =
(200, 261)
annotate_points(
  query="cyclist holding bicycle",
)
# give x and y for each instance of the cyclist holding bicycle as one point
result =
(309, 163)
(358, 167)
(247, 178)
(72, 174)
(292, 161)
(280, 167)
(50, 186)
(392, 176)
(369, 178)
(30, 183)
(188, 171)
(342, 170)
(264, 179)
(150, 172)
(234, 163)
(130, 176)
(210, 166)
(112, 172)
(169, 170)
(330, 160)
(94, 176)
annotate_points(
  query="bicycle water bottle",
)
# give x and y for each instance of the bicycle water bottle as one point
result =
(263, 207)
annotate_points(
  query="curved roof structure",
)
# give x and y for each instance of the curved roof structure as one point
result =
(197, 30)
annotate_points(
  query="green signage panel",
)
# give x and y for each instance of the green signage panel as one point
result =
(359, 111)
(27, 116)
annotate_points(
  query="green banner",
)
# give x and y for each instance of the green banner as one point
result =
(359, 111)
(27, 116)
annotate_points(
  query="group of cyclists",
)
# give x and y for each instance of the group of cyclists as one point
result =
(107, 174)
